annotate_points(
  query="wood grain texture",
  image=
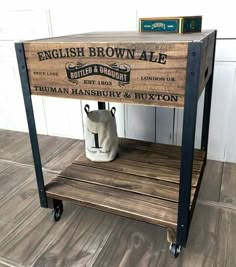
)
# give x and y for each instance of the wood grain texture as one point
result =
(154, 158)
(50, 147)
(19, 149)
(80, 241)
(228, 187)
(5, 228)
(132, 79)
(145, 169)
(225, 246)
(7, 137)
(211, 181)
(206, 60)
(119, 202)
(123, 181)
(15, 147)
(133, 36)
(132, 243)
(3, 166)
(12, 178)
(64, 159)
(25, 243)
(2, 264)
(163, 149)
(19, 206)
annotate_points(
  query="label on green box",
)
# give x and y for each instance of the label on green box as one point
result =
(192, 24)
(159, 25)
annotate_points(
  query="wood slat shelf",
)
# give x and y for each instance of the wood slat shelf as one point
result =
(141, 183)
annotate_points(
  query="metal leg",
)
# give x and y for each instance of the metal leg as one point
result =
(188, 138)
(31, 122)
(101, 105)
(207, 108)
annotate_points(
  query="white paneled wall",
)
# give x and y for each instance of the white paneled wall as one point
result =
(65, 117)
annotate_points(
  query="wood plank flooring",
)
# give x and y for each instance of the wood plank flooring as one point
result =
(87, 237)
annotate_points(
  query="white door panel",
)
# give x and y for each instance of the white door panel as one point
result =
(164, 125)
(230, 151)
(140, 122)
(220, 123)
(63, 117)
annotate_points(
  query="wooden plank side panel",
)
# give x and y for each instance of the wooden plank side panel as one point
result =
(132, 205)
(206, 60)
(145, 73)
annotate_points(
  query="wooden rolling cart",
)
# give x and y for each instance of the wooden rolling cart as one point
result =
(155, 183)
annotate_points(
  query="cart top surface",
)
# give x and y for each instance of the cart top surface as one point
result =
(127, 36)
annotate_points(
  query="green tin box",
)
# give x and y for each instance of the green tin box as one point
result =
(171, 24)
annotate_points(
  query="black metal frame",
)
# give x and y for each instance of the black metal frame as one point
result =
(188, 137)
(31, 122)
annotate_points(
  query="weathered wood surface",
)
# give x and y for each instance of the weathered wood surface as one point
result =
(225, 240)
(141, 68)
(50, 147)
(211, 181)
(132, 243)
(133, 36)
(25, 243)
(154, 158)
(206, 60)
(3, 264)
(3, 166)
(130, 77)
(228, 187)
(5, 228)
(163, 149)
(19, 206)
(145, 169)
(12, 178)
(7, 137)
(119, 202)
(73, 243)
(18, 148)
(64, 159)
(123, 181)
(15, 147)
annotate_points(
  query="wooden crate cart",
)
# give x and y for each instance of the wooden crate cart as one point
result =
(155, 183)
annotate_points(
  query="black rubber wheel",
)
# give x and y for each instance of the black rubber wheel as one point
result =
(57, 212)
(174, 250)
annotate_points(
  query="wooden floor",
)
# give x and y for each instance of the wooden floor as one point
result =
(86, 237)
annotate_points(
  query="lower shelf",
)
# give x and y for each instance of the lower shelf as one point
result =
(141, 183)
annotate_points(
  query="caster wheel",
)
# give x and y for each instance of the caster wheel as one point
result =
(174, 250)
(57, 212)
